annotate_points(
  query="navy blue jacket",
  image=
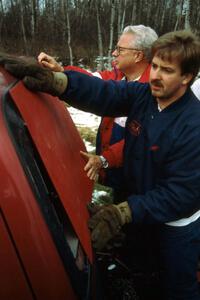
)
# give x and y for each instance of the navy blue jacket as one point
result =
(162, 149)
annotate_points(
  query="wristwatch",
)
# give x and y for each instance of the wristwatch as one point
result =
(104, 162)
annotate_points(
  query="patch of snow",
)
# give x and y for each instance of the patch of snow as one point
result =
(84, 119)
(89, 146)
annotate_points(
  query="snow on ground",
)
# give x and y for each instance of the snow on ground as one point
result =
(90, 148)
(84, 119)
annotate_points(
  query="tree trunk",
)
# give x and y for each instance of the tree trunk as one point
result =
(179, 14)
(187, 13)
(119, 17)
(163, 16)
(133, 13)
(69, 34)
(1, 19)
(100, 42)
(23, 28)
(112, 18)
(123, 16)
(33, 18)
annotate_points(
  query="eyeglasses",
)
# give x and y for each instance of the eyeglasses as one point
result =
(121, 49)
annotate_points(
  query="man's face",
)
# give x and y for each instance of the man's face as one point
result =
(125, 59)
(166, 82)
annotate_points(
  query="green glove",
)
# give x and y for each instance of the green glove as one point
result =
(107, 223)
(35, 77)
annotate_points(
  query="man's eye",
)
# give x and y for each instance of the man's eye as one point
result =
(168, 70)
(154, 66)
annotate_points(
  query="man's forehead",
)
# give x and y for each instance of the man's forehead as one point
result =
(164, 61)
(126, 38)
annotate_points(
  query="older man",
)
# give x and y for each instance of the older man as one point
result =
(131, 63)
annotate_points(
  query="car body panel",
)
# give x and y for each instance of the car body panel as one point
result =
(28, 251)
(59, 145)
(13, 282)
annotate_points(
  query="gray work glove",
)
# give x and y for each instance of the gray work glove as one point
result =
(107, 222)
(34, 76)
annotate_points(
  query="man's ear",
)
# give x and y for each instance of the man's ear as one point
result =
(187, 78)
(140, 56)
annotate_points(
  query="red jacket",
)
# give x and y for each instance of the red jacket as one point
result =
(114, 153)
(110, 137)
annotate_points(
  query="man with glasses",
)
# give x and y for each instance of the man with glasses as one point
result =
(130, 63)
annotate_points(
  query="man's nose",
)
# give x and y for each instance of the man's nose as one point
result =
(155, 73)
(115, 53)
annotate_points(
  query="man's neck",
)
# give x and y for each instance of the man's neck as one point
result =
(136, 72)
(163, 103)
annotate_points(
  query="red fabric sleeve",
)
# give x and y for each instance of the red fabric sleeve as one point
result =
(114, 74)
(77, 69)
(106, 74)
(114, 154)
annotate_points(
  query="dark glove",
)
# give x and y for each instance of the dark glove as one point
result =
(107, 223)
(35, 77)
(94, 208)
(116, 242)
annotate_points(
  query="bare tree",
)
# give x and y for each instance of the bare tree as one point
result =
(1, 18)
(33, 17)
(179, 15)
(186, 12)
(100, 41)
(69, 33)
(112, 18)
(119, 11)
(123, 16)
(183, 15)
(133, 12)
(23, 27)
(163, 14)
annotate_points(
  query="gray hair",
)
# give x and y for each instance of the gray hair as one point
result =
(145, 36)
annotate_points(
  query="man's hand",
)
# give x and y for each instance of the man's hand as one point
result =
(49, 62)
(93, 165)
(107, 223)
(35, 77)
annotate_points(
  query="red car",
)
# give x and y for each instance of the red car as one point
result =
(45, 248)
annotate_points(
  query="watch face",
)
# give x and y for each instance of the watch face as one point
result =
(105, 165)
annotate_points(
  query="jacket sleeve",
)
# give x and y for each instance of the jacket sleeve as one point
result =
(177, 192)
(105, 75)
(103, 98)
(114, 154)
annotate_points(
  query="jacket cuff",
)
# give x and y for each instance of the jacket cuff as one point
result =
(113, 161)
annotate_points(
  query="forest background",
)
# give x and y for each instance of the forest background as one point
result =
(84, 32)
